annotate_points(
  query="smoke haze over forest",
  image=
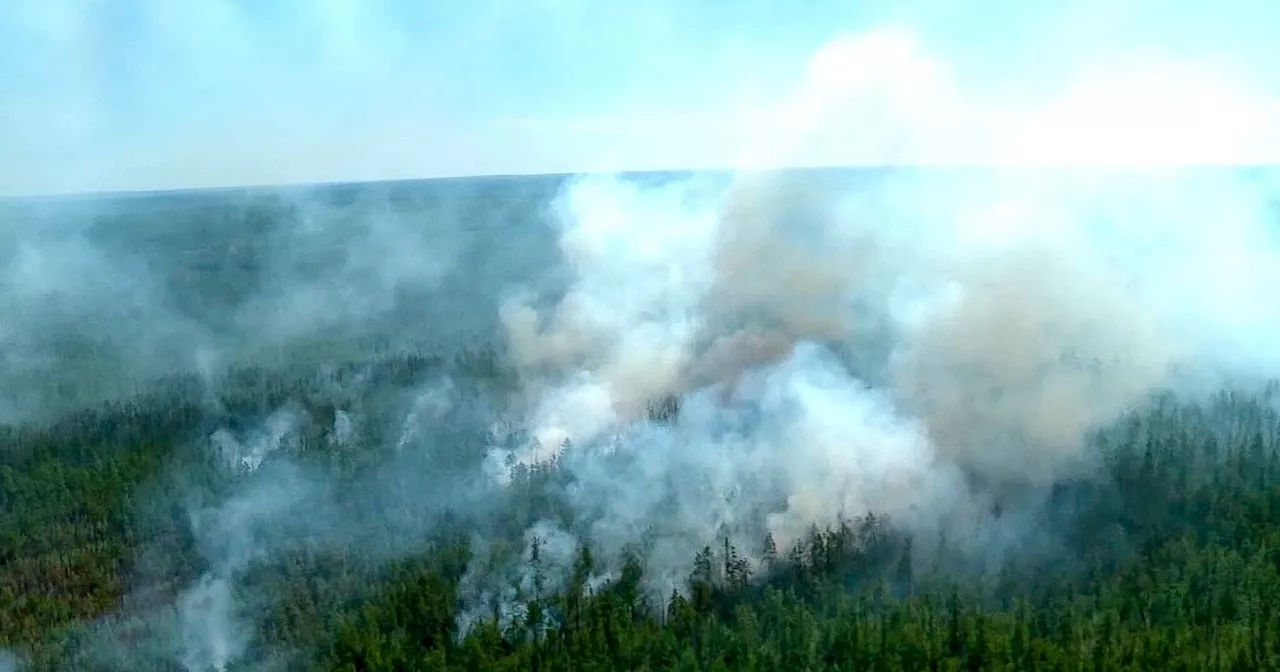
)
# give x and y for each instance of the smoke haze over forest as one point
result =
(983, 285)
(935, 346)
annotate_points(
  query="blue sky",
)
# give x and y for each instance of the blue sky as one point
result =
(125, 94)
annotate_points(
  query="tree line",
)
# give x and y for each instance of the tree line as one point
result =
(1169, 559)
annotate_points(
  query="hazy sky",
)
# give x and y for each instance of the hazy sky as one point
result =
(138, 94)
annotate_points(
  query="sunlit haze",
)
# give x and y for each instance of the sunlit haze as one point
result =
(156, 94)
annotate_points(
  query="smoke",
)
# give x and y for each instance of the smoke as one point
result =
(702, 357)
(883, 97)
(912, 343)
(266, 513)
(104, 297)
(279, 494)
(201, 617)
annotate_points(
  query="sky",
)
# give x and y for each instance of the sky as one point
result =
(155, 94)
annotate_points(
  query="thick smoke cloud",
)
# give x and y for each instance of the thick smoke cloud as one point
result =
(914, 347)
(916, 343)
(911, 343)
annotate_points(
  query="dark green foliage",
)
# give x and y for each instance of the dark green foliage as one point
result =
(1168, 560)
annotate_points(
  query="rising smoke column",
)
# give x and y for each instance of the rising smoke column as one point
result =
(907, 342)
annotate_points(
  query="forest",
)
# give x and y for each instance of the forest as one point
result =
(1167, 558)
(634, 423)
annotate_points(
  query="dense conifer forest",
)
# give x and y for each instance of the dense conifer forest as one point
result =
(289, 436)
(945, 340)
(1167, 559)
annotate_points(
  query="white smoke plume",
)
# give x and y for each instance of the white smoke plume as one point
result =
(9, 662)
(212, 631)
(906, 343)
(278, 501)
(245, 454)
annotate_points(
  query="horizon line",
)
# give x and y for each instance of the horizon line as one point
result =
(327, 184)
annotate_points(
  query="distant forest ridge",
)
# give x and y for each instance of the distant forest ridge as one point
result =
(61, 206)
